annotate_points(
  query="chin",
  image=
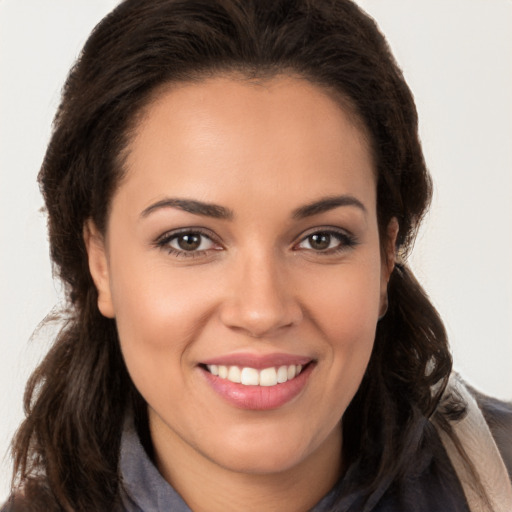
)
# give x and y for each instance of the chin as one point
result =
(264, 451)
(261, 462)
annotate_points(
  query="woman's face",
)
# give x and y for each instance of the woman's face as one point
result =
(242, 245)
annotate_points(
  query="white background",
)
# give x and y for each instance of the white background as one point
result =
(457, 58)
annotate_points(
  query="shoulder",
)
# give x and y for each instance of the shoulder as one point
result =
(498, 415)
(475, 431)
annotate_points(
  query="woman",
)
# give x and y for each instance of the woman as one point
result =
(231, 201)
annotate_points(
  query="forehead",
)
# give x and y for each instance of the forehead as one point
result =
(281, 134)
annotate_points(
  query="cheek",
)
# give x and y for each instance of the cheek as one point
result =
(345, 310)
(158, 313)
(345, 302)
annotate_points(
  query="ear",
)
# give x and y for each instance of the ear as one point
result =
(98, 266)
(388, 263)
(390, 248)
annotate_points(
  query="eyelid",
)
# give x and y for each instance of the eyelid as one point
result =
(163, 241)
(347, 239)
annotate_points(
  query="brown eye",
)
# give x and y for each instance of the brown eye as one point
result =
(327, 242)
(320, 241)
(189, 242)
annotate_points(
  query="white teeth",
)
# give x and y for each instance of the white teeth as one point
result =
(252, 377)
(282, 374)
(268, 377)
(234, 374)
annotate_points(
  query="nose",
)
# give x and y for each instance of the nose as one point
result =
(260, 300)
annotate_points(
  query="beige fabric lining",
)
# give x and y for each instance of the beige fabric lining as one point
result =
(478, 442)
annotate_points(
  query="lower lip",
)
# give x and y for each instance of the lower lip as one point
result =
(259, 398)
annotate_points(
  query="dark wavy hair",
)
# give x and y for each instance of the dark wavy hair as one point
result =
(66, 452)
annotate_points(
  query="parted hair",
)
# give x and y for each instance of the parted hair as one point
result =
(66, 452)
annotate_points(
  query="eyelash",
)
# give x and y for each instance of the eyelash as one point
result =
(346, 241)
(164, 241)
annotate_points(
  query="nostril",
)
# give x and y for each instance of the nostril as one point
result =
(261, 302)
(258, 326)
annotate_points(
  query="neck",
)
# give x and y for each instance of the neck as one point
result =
(298, 488)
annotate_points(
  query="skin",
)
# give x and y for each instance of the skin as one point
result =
(260, 286)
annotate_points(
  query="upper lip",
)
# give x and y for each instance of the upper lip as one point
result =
(258, 361)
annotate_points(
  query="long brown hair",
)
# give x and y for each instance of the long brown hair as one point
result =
(66, 452)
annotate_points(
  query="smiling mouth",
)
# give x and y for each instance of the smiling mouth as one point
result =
(247, 376)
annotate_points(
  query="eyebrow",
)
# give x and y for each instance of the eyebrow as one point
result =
(327, 203)
(191, 206)
(220, 212)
